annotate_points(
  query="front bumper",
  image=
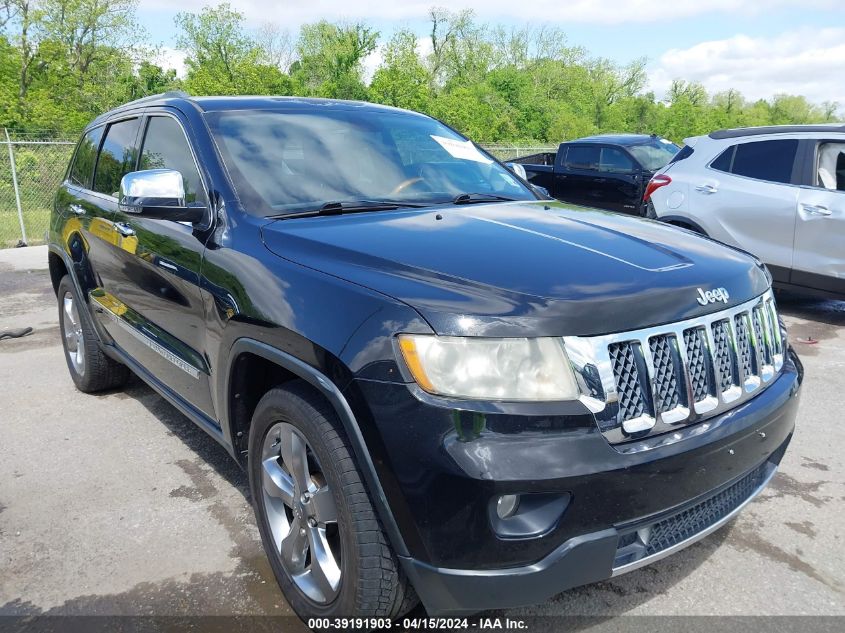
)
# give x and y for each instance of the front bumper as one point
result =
(441, 468)
(584, 559)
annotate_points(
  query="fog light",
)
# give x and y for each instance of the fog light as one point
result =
(507, 505)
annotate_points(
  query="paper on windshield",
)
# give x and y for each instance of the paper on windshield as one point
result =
(461, 149)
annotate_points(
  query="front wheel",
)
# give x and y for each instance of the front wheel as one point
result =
(325, 544)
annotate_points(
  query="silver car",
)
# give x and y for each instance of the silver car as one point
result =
(778, 192)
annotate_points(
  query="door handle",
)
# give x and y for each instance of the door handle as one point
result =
(707, 188)
(124, 229)
(815, 209)
(77, 209)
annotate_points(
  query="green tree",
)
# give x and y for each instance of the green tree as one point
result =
(330, 59)
(222, 58)
(608, 83)
(214, 40)
(461, 50)
(71, 59)
(402, 79)
(794, 109)
(62, 62)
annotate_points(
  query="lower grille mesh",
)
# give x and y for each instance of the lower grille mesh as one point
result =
(690, 522)
(648, 540)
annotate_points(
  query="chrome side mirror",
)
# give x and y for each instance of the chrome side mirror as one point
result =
(157, 194)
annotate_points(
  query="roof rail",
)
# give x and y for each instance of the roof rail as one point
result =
(776, 129)
(170, 94)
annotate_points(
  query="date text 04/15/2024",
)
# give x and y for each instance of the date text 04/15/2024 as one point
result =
(411, 623)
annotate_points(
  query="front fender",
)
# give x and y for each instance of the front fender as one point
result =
(333, 395)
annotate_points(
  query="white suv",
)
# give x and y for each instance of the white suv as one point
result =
(778, 192)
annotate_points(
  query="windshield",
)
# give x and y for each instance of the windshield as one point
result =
(654, 154)
(295, 160)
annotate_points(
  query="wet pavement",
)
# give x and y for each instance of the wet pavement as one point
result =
(117, 504)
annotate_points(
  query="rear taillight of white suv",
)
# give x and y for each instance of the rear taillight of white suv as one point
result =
(658, 181)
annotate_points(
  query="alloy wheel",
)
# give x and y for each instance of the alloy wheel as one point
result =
(74, 338)
(301, 513)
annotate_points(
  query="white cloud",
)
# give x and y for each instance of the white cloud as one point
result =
(804, 61)
(293, 13)
(371, 63)
(169, 57)
(809, 62)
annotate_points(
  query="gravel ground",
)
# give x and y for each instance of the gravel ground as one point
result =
(117, 504)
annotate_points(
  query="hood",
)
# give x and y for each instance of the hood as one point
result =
(524, 268)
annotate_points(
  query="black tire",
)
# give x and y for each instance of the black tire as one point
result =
(650, 211)
(92, 370)
(372, 583)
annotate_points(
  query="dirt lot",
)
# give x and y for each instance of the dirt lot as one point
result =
(117, 504)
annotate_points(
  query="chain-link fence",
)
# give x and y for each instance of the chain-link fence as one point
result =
(504, 152)
(31, 169)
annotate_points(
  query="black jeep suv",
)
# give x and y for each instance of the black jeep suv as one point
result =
(440, 385)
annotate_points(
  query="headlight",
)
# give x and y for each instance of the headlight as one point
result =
(490, 368)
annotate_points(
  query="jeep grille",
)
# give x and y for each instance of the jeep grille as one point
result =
(655, 380)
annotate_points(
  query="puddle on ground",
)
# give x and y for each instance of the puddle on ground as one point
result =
(745, 540)
(784, 485)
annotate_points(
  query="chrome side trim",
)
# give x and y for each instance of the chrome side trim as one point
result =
(117, 311)
(648, 560)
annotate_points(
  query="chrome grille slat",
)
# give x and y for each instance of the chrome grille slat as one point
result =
(774, 328)
(652, 381)
(743, 344)
(760, 335)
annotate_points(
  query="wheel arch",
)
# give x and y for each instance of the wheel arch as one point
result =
(683, 222)
(57, 267)
(73, 263)
(72, 256)
(284, 367)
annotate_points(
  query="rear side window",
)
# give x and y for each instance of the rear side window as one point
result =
(85, 157)
(686, 152)
(615, 161)
(583, 157)
(830, 173)
(725, 159)
(165, 147)
(763, 160)
(117, 156)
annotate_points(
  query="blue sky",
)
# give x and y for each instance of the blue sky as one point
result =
(761, 47)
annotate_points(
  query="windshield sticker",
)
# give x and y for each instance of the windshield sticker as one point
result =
(464, 150)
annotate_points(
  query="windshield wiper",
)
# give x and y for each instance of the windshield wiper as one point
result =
(472, 198)
(349, 206)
